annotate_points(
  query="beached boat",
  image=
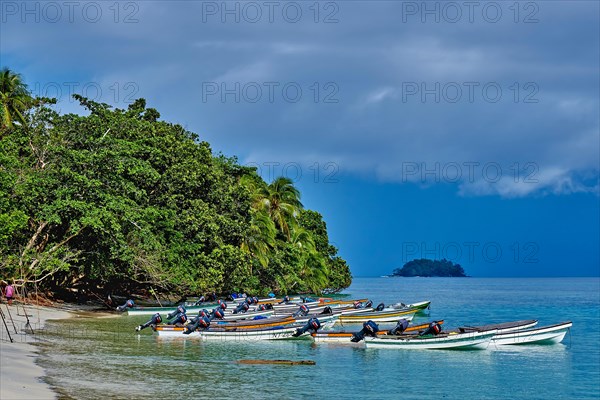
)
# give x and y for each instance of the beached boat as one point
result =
(420, 306)
(172, 330)
(503, 327)
(540, 335)
(345, 336)
(192, 311)
(247, 315)
(293, 308)
(237, 334)
(166, 310)
(377, 316)
(321, 317)
(314, 305)
(245, 335)
(449, 341)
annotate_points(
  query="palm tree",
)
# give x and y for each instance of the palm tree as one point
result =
(313, 272)
(260, 237)
(302, 239)
(281, 200)
(14, 98)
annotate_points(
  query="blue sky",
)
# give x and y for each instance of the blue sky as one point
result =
(419, 129)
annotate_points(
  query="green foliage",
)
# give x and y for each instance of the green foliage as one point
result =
(14, 99)
(120, 201)
(426, 267)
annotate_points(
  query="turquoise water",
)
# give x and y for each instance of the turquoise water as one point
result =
(90, 358)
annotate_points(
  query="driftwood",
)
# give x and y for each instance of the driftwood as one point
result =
(279, 362)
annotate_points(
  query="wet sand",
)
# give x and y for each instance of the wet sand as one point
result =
(20, 376)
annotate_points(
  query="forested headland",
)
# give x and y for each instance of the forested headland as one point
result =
(426, 267)
(119, 201)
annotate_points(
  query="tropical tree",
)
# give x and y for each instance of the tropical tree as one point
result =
(281, 200)
(312, 264)
(14, 98)
(118, 201)
(260, 238)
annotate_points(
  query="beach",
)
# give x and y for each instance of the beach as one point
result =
(88, 357)
(20, 376)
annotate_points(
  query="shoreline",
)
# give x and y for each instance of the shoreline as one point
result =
(21, 376)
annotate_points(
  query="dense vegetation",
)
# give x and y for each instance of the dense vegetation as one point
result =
(426, 267)
(118, 201)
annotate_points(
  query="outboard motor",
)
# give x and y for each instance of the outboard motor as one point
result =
(222, 304)
(285, 300)
(179, 319)
(302, 311)
(179, 310)
(262, 307)
(434, 329)
(199, 323)
(216, 313)
(212, 296)
(201, 314)
(399, 328)
(201, 300)
(380, 307)
(357, 304)
(370, 328)
(128, 304)
(242, 308)
(255, 300)
(327, 310)
(368, 304)
(155, 320)
(313, 324)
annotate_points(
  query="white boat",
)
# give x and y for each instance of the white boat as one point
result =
(177, 331)
(166, 310)
(247, 315)
(421, 305)
(503, 327)
(377, 316)
(321, 317)
(449, 341)
(542, 335)
(344, 337)
(241, 335)
(264, 324)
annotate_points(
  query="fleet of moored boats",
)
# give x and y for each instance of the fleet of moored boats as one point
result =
(251, 319)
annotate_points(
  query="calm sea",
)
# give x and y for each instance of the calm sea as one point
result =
(91, 358)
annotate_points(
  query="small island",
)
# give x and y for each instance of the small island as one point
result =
(429, 268)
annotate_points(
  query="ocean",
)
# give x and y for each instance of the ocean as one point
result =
(91, 358)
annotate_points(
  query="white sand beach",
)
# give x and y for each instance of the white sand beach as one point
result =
(20, 376)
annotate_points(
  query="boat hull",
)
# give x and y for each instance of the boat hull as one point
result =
(377, 316)
(166, 310)
(345, 336)
(543, 335)
(459, 341)
(503, 327)
(242, 335)
(420, 306)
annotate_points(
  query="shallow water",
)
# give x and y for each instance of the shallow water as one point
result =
(90, 358)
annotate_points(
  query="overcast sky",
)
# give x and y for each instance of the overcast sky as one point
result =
(416, 128)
